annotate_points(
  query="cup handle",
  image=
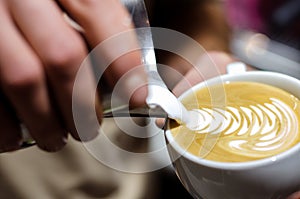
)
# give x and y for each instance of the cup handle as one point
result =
(236, 68)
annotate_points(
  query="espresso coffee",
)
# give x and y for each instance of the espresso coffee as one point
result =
(256, 121)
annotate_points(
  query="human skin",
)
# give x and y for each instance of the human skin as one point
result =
(295, 195)
(39, 59)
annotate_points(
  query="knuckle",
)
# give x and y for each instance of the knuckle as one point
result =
(61, 58)
(24, 79)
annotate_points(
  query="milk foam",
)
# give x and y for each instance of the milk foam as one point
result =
(250, 126)
(272, 124)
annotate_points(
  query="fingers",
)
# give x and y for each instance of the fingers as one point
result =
(10, 134)
(108, 22)
(61, 50)
(24, 82)
(95, 16)
(43, 54)
(295, 195)
(38, 65)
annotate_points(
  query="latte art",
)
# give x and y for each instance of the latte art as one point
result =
(253, 124)
(272, 126)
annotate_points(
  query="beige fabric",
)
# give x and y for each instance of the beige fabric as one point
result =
(69, 174)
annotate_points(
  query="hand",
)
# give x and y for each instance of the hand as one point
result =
(209, 65)
(39, 58)
(295, 195)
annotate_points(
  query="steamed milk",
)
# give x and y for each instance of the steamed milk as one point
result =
(257, 121)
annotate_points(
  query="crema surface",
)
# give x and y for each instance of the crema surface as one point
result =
(256, 121)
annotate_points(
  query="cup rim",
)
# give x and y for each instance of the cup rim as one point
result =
(236, 165)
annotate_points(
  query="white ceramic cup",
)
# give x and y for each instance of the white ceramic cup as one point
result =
(274, 177)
